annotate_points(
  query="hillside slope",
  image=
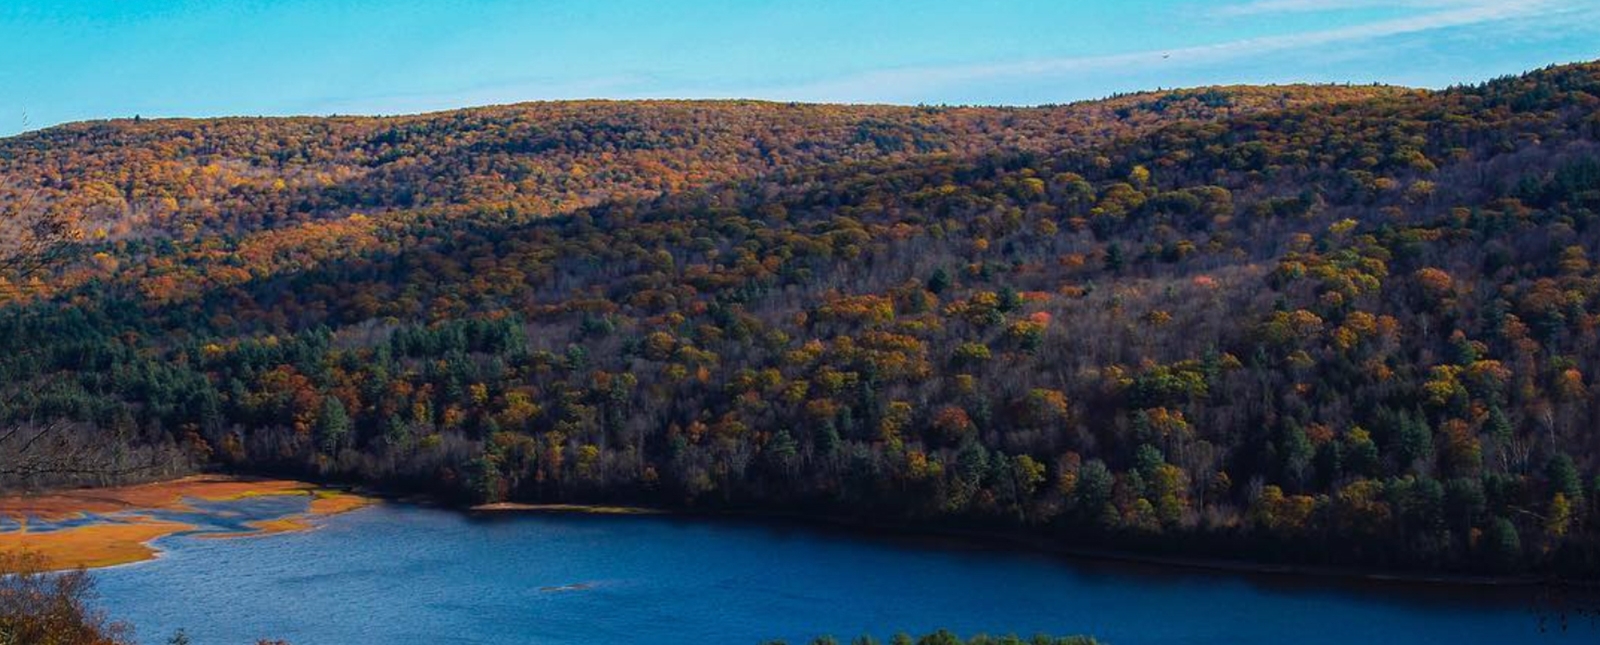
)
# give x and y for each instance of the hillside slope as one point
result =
(1354, 329)
(181, 177)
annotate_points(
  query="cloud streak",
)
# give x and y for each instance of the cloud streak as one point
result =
(1447, 14)
(1270, 7)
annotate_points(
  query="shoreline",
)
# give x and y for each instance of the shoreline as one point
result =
(576, 509)
(1032, 544)
(1043, 546)
(336, 500)
(94, 528)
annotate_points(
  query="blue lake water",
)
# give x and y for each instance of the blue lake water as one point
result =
(402, 574)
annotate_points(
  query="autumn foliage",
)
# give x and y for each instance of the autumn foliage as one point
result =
(40, 608)
(1329, 324)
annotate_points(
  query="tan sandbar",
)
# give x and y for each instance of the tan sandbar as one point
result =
(127, 539)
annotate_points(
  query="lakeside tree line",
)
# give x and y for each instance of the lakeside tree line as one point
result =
(1318, 325)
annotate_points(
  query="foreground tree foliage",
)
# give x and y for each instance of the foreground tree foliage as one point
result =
(1338, 326)
(39, 608)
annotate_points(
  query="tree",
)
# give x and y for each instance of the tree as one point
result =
(41, 608)
(485, 480)
(1415, 441)
(1503, 544)
(1297, 452)
(1563, 475)
(1093, 487)
(1559, 516)
(60, 454)
(939, 281)
(952, 425)
(1009, 300)
(333, 425)
(1114, 258)
(1029, 474)
(1361, 453)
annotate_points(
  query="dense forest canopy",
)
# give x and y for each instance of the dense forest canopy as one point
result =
(1340, 325)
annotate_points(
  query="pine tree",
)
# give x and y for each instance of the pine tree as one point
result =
(333, 425)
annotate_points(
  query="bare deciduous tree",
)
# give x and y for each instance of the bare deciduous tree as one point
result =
(64, 454)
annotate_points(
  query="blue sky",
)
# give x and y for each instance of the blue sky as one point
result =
(68, 60)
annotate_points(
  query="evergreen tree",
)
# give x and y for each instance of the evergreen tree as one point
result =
(333, 425)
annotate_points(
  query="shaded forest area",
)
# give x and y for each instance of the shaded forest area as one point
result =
(1325, 325)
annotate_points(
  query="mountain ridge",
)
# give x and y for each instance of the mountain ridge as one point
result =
(538, 156)
(1290, 88)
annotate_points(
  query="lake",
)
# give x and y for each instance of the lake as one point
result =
(404, 574)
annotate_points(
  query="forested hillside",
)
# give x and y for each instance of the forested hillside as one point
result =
(1316, 324)
(137, 179)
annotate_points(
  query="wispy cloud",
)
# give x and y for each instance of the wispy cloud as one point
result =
(1445, 14)
(1268, 7)
(1328, 46)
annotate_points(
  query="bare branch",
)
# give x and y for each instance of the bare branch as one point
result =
(61, 453)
